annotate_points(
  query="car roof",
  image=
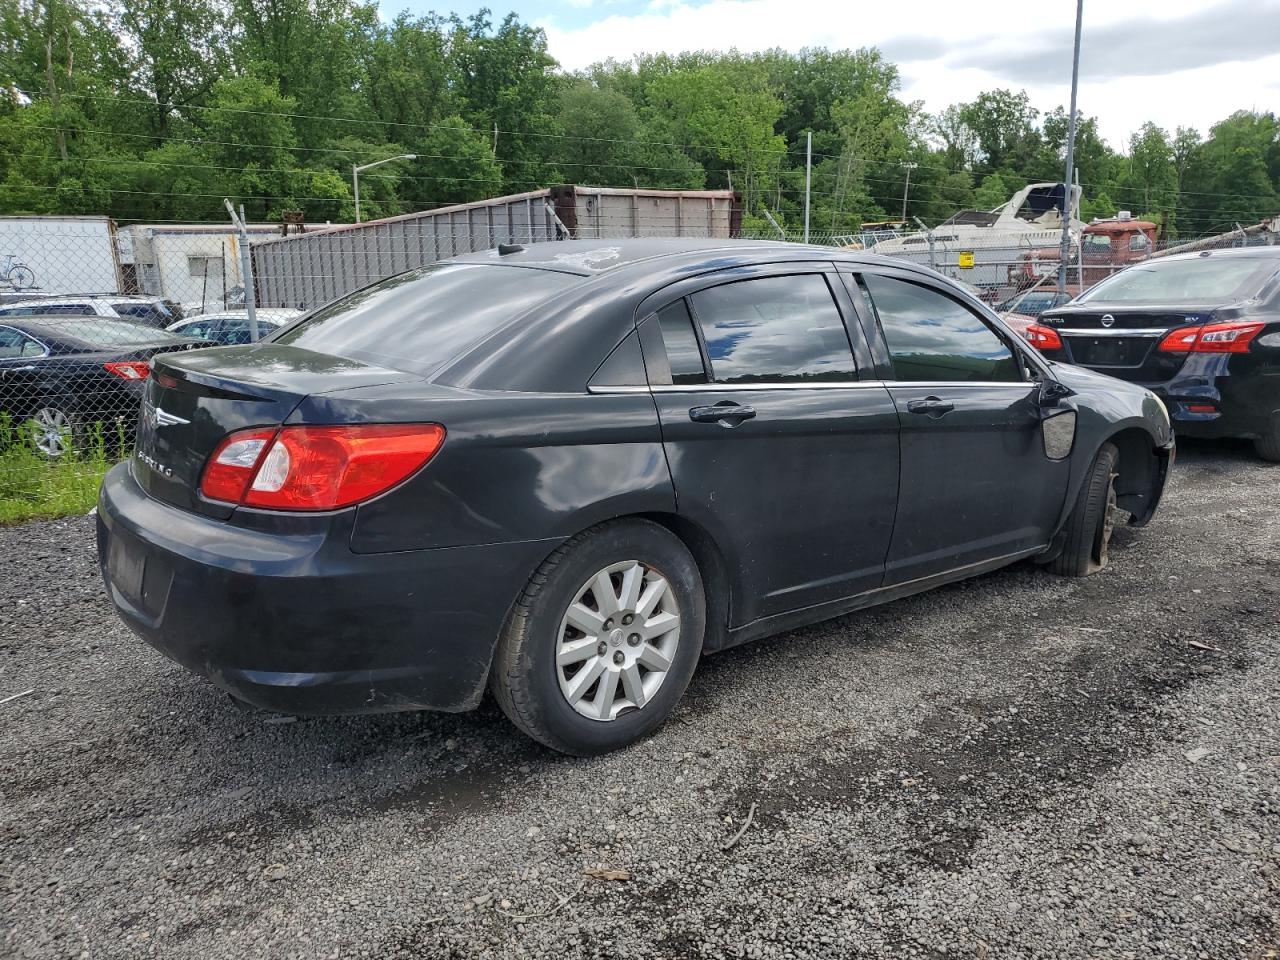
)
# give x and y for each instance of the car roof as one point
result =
(265, 314)
(1259, 253)
(50, 301)
(588, 258)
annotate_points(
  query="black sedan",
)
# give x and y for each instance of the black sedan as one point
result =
(1202, 330)
(569, 471)
(61, 375)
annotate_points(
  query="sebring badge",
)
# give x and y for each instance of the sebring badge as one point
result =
(1107, 321)
(154, 464)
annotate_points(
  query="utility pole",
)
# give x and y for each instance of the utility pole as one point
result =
(906, 188)
(1064, 248)
(246, 269)
(808, 175)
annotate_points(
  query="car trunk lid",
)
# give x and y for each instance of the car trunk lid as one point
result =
(1123, 341)
(193, 400)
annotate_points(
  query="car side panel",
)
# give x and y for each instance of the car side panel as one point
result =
(513, 467)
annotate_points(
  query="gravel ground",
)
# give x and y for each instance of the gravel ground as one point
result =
(1017, 766)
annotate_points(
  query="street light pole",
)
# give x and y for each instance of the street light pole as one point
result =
(355, 175)
(1064, 249)
(906, 188)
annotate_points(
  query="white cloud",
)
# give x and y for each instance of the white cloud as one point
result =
(931, 40)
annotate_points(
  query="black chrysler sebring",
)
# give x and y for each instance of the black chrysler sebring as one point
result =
(566, 472)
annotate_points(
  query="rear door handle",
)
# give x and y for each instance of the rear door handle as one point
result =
(930, 407)
(726, 412)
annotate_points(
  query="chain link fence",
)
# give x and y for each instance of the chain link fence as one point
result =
(86, 303)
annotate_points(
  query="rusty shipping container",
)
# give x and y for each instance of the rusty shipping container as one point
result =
(313, 268)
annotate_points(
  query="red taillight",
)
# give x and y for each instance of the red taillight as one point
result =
(234, 463)
(1211, 338)
(317, 468)
(129, 369)
(1043, 338)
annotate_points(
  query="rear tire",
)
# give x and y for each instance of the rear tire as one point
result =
(549, 675)
(1087, 534)
(1268, 445)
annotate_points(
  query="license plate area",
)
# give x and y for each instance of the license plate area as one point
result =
(1110, 351)
(143, 580)
(126, 566)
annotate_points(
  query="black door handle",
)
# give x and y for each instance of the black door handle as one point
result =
(725, 412)
(930, 407)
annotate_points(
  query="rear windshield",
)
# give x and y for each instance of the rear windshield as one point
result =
(113, 333)
(1204, 279)
(418, 321)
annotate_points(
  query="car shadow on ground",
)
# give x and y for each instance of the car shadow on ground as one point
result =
(446, 765)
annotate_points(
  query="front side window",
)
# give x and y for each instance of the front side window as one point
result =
(934, 338)
(774, 329)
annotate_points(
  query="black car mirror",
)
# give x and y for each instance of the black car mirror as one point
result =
(1052, 392)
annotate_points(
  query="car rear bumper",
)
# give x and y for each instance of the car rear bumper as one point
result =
(298, 622)
(1238, 408)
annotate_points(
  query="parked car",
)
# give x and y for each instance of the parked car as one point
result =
(568, 471)
(1202, 330)
(1032, 303)
(60, 375)
(1019, 323)
(232, 326)
(83, 306)
(149, 311)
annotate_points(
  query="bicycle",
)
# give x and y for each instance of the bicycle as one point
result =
(16, 273)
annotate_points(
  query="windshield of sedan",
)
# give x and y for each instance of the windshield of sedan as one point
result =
(1204, 279)
(418, 321)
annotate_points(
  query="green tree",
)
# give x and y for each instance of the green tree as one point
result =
(1004, 124)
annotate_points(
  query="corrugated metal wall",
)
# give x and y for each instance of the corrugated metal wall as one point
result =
(313, 268)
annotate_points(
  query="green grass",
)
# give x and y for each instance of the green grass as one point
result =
(33, 486)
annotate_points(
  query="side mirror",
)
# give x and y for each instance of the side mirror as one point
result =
(1052, 393)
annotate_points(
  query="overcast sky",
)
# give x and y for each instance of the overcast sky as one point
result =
(1176, 62)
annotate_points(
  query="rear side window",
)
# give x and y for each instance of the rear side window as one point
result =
(774, 329)
(934, 338)
(15, 344)
(683, 353)
(418, 321)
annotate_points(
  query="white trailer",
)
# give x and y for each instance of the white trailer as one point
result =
(47, 256)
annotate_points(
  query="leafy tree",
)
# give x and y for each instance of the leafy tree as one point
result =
(1004, 124)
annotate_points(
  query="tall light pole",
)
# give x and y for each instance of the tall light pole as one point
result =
(808, 176)
(906, 187)
(355, 175)
(1064, 249)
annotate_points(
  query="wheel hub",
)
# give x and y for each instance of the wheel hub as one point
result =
(617, 641)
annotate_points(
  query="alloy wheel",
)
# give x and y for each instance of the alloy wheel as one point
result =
(617, 640)
(50, 431)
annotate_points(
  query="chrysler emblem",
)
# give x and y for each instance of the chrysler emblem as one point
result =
(1107, 321)
(157, 417)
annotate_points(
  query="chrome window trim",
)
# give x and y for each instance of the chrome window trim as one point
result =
(1020, 385)
(1112, 332)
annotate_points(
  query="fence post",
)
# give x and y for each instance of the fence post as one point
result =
(246, 270)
